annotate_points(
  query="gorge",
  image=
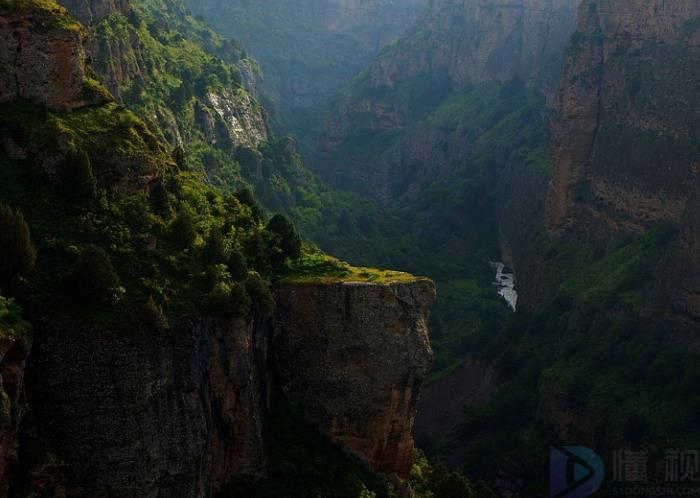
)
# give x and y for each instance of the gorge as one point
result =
(163, 332)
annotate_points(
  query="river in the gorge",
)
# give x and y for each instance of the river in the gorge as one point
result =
(505, 283)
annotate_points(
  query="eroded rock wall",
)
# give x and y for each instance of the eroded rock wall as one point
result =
(354, 357)
(625, 127)
(133, 414)
(42, 58)
(92, 11)
(184, 412)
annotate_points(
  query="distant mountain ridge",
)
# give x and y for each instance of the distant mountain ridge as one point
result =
(309, 49)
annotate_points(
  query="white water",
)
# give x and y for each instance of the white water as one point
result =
(505, 281)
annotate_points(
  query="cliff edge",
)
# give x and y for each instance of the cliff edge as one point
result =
(354, 356)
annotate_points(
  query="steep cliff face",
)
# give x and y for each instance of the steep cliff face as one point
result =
(499, 40)
(92, 11)
(625, 128)
(136, 415)
(185, 412)
(354, 357)
(43, 58)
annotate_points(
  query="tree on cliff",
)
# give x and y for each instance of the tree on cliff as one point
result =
(17, 254)
(285, 236)
(94, 279)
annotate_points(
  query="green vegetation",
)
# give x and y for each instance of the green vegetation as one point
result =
(443, 225)
(438, 481)
(18, 255)
(11, 323)
(172, 248)
(55, 14)
(314, 266)
(598, 352)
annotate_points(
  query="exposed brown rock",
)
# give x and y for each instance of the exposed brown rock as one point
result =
(354, 357)
(41, 52)
(91, 11)
(184, 412)
(626, 117)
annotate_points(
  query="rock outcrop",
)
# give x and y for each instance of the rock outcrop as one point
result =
(42, 56)
(185, 412)
(354, 356)
(92, 11)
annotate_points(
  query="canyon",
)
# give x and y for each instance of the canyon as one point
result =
(557, 136)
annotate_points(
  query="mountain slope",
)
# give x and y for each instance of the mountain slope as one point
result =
(448, 130)
(148, 319)
(607, 352)
(309, 49)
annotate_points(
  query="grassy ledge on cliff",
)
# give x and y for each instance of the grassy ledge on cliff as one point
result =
(55, 15)
(314, 266)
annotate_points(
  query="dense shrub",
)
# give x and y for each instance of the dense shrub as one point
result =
(285, 237)
(261, 296)
(77, 176)
(245, 196)
(237, 265)
(216, 250)
(17, 254)
(183, 232)
(94, 279)
(160, 201)
(250, 161)
(229, 300)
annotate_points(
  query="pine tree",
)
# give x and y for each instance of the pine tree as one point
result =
(17, 254)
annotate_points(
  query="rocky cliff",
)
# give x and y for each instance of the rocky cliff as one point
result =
(44, 65)
(354, 356)
(498, 40)
(625, 127)
(131, 62)
(629, 98)
(173, 397)
(92, 11)
(185, 413)
(13, 405)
